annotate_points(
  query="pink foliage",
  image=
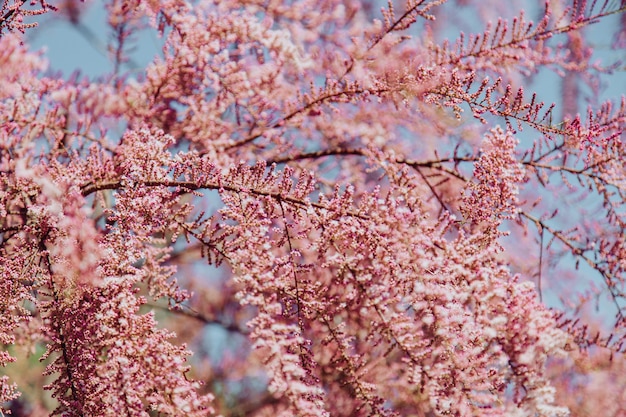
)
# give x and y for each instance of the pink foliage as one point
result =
(392, 224)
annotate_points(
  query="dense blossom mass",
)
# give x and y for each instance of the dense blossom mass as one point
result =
(314, 208)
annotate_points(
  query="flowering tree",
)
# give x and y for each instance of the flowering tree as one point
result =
(375, 222)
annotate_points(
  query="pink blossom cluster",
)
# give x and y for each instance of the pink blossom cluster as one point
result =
(371, 221)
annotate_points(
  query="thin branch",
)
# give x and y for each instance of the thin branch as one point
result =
(91, 188)
(578, 252)
(191, 313)
(317, 101)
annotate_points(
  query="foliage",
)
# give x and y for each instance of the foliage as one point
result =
(395, 227)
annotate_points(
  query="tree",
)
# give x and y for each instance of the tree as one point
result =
(395, 226)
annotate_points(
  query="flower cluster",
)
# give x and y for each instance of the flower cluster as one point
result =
(362, 233)
(497, 174)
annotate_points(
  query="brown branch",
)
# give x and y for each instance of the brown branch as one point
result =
(546, 33)
(319, 100)
(91, 188)
(435, 163)
(189, 312)
(578, 252)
